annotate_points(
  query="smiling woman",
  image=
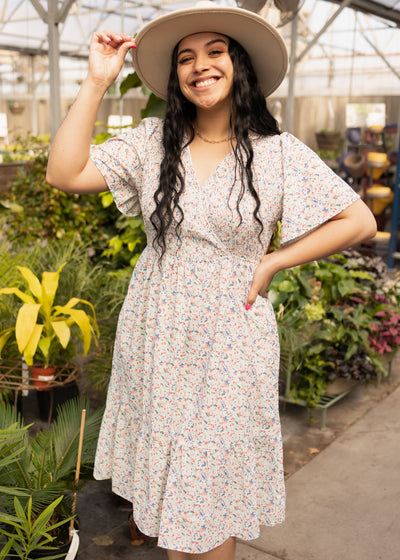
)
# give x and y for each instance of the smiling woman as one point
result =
(191, 433)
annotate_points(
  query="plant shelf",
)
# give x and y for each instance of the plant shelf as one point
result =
(326, 402)
(11, 377)
(14, 376)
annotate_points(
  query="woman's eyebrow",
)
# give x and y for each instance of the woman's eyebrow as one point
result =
(207, 45)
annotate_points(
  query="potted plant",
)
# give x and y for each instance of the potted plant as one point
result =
(14, 156)
(330, 303)
(328, 140)
(15, 107)
(37, 479)
(29, 537)
(44, 330)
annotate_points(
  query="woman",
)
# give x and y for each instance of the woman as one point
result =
(191, 432)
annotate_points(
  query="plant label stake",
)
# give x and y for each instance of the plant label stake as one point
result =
(73, 534)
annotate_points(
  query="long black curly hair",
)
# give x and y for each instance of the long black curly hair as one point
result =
(250, 113)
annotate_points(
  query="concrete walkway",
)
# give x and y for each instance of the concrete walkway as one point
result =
(345, 503)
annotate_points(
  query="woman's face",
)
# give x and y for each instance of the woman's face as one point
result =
(205, 70)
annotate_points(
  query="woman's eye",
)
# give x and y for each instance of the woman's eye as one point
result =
(184, 60)
(216, 52)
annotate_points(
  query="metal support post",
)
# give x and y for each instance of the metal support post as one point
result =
(53, 17)
(394, 228)
(34, 127)
(292, 75)
(54, 58)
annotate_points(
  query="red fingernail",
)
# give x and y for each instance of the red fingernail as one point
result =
(248, 306)
(133, 47)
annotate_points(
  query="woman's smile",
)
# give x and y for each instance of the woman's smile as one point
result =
(205, 83)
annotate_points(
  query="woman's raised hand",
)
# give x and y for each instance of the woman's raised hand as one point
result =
(106, 56)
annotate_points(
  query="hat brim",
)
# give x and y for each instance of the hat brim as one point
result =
(156, 41)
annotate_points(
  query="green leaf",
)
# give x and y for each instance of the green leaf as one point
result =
(351, 350)
(131, 81)
(12, 206)
(303, 280)
(107, 199)
(6, 548)
(155, 107)
(346, 287)
(12, 492)
(287, 286)
(44, 517)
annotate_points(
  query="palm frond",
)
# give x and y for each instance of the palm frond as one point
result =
(9, 417)
(44, 466)
(66, 435)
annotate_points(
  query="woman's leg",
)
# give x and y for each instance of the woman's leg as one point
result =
(226, 551)
(177, 555)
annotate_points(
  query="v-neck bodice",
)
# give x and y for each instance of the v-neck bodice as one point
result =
(220, 163)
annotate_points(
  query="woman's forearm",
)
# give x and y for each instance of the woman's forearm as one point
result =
(349, 228)
(70, 149)
(353, 225)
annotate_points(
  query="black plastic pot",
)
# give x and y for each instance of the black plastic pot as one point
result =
(48, 401)
(62, 549)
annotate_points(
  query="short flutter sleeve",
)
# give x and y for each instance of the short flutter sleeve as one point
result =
(312, 192)
(120, 161)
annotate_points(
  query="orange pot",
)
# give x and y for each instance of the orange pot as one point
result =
(42, 376)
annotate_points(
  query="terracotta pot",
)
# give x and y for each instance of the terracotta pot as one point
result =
(16, 108)
(42, 376)
(7, 173)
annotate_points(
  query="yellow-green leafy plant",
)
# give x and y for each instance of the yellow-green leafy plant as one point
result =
(43, 328)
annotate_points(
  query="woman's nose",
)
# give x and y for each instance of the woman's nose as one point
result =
(201, 63)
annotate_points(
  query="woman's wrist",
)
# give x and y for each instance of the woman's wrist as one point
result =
(275, 261)
(98, 88)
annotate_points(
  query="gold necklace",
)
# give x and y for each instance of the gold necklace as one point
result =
(213, 141)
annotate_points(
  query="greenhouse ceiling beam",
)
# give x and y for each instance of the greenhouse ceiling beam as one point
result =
(380, 54)
(376, 9)
(32, 51)
(53, 17)
(4, 21)
(314, 41)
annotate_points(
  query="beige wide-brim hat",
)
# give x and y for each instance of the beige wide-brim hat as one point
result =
(157, 39)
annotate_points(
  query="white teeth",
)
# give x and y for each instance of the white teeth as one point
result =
(206, 82)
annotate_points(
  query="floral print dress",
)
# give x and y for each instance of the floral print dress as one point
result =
(191, 432)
